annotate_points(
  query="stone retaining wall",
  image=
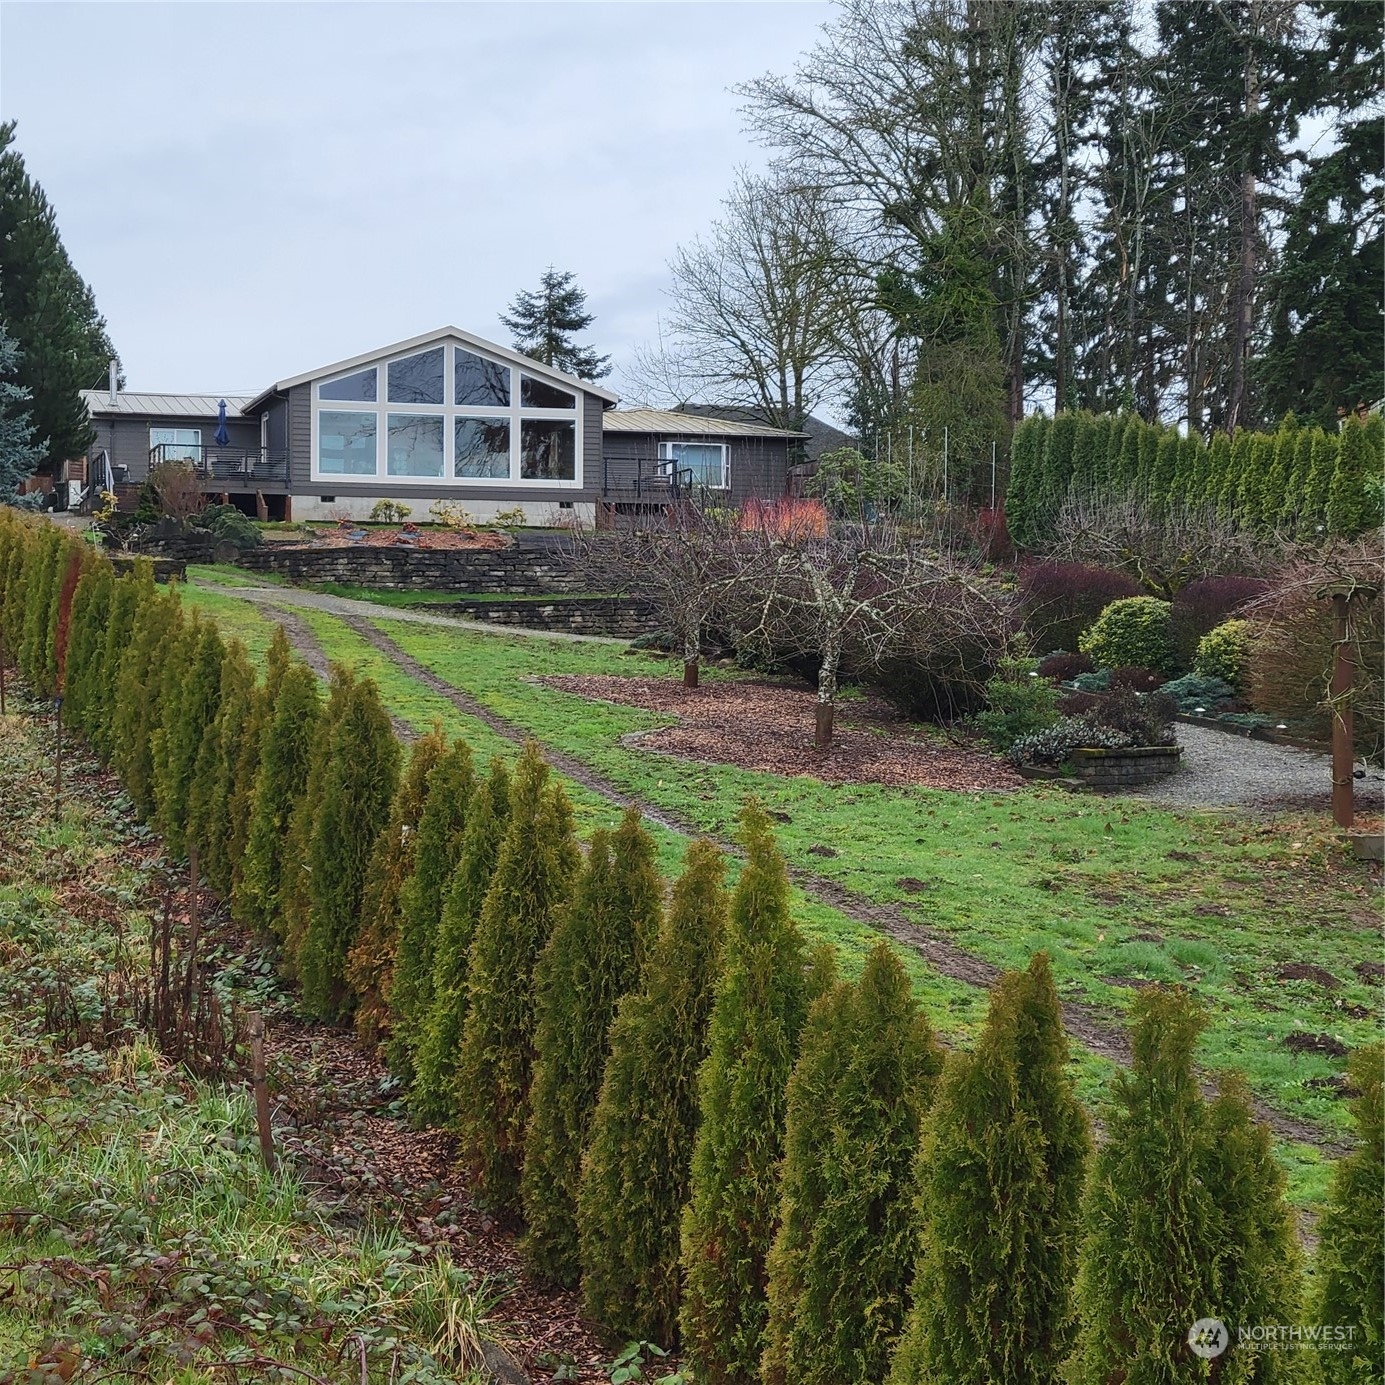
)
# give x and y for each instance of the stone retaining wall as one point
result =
(615, 617)
(1124, 769)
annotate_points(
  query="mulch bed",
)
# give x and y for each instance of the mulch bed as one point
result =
(430, 538)
(769, 727)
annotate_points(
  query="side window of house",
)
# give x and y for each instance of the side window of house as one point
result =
(175, 445)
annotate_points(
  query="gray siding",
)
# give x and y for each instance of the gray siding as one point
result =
(126, 438)
(277, 428)
(758, 466)
(300, 439)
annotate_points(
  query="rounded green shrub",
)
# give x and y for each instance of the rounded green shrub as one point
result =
(1132, 631)
(1222, 653)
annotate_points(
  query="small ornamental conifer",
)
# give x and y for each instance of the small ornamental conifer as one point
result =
(591, 962)
(41, 579)
(531, 883)
(208, 813)
(189, 714)
(847, 1241)
(72, 560)
(1000, 1192)
(1351, 1238)
(637, 1167)
(357, 789)
(155, 648)
(130, 592)
(762, 998)
(370, 963)
(285, 758)
(18, 542)
(432, 1099)
(440, 831)
(90, 607)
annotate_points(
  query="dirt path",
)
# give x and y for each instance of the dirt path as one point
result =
(1084, 1022)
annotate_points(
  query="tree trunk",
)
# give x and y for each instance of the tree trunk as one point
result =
(1242, 326)
(827, 703)
(822, 734)
(690, 673)
(692, 652)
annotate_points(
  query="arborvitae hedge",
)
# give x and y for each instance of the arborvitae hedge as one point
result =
(1001, 1175)
(370, 963)
(103, 702)
(727, 1229)
(637, 1168)
(209, 812)
(285, 760)
(846, 1245)
(591, 961)
(1354, 495)
(154, 651)
(1351, 1238)
(90, 610)
(189, 714)
(440, 830)
(532, 881)
(432, 1099)
(38, 604)
(357, 789)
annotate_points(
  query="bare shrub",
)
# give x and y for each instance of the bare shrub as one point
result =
(179, 489)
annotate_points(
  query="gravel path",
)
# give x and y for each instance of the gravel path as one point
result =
(1222, 770)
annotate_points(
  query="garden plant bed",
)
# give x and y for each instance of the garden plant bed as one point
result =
(769, 727)
(444, 540)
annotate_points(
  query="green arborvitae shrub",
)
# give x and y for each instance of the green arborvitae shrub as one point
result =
(1354, 496)
(1190, 473)
(1224, 651)
(1218, 465)
(727, 1229)
(440, 829)
(1274, 480)
(1317, 487)
(285, 757)
(1022, 496)
(188, 720)
(73, 559)
(1148, 466)
(847, 1240)
(1238, 467)
(1132, 632)
(370, 963)
(1125, 468)
(209, 794)
(1351, 1238)
(1160, 484)
(432, 1099)
(357, 789)
(155, 647)
(532, 881)
(41, 579)
(591, 962)
(91, 606)
(1292, 500)
(1055, 475)
(128, 596)
(1087, 446)
(637, 1168)
(1001, 1174)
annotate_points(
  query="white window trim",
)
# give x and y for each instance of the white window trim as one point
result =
(382, 408)
(666, 455)
(196, 434)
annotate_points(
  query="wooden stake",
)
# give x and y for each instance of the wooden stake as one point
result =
(58, 730)
(260, 1087)
(2, 675)
(1343, 753)
(190, 964)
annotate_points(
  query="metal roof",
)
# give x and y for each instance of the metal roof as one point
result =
(689, 425)
(99, 403)
(469, 339)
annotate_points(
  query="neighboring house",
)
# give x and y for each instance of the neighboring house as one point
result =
(443, 416)
(819, 435)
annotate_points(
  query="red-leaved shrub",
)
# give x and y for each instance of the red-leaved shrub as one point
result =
(1060, 600)
(1063, 668)
(1203, 605)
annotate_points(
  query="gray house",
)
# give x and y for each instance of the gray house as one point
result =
(444, 416)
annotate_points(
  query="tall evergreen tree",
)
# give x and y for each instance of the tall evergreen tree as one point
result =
(440, 829)
(370, 963)
(637, 1169)
(544, 322)
(20, 451)
(432, 1099)
(187, 720)
(846, 1244)
(1001, 1174)
(760, 1006)
(530, 885)
(1354, 497)
(285, 758)
(1351, 1238)
(357, 789)
(591, 961)
(48, 310)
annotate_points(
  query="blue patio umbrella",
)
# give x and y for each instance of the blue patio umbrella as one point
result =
(221, 437)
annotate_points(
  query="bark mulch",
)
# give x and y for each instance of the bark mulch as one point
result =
(769, 727)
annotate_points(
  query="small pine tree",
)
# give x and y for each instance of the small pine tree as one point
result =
(286, 755)
(1351, 1238)
(1151, 1235)
(727, 1228)
(155, 645)
(432, 1099)
(440, 830)
(532, 879)
(209, 794)
(357, 790)
(637, 1168)
(1001, 1174)
(1354, 497)
(846, 1243)
(370, 963)
(543, 324)
(188, 718)
(591, 961)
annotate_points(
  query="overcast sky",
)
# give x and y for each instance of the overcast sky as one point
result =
(254, 190)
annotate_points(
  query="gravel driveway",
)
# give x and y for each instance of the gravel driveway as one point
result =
(1226, 770)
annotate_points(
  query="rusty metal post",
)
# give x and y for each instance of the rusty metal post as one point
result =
(1343, 753)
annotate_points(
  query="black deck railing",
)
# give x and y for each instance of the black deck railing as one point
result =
(233, 466)
(650, 481)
